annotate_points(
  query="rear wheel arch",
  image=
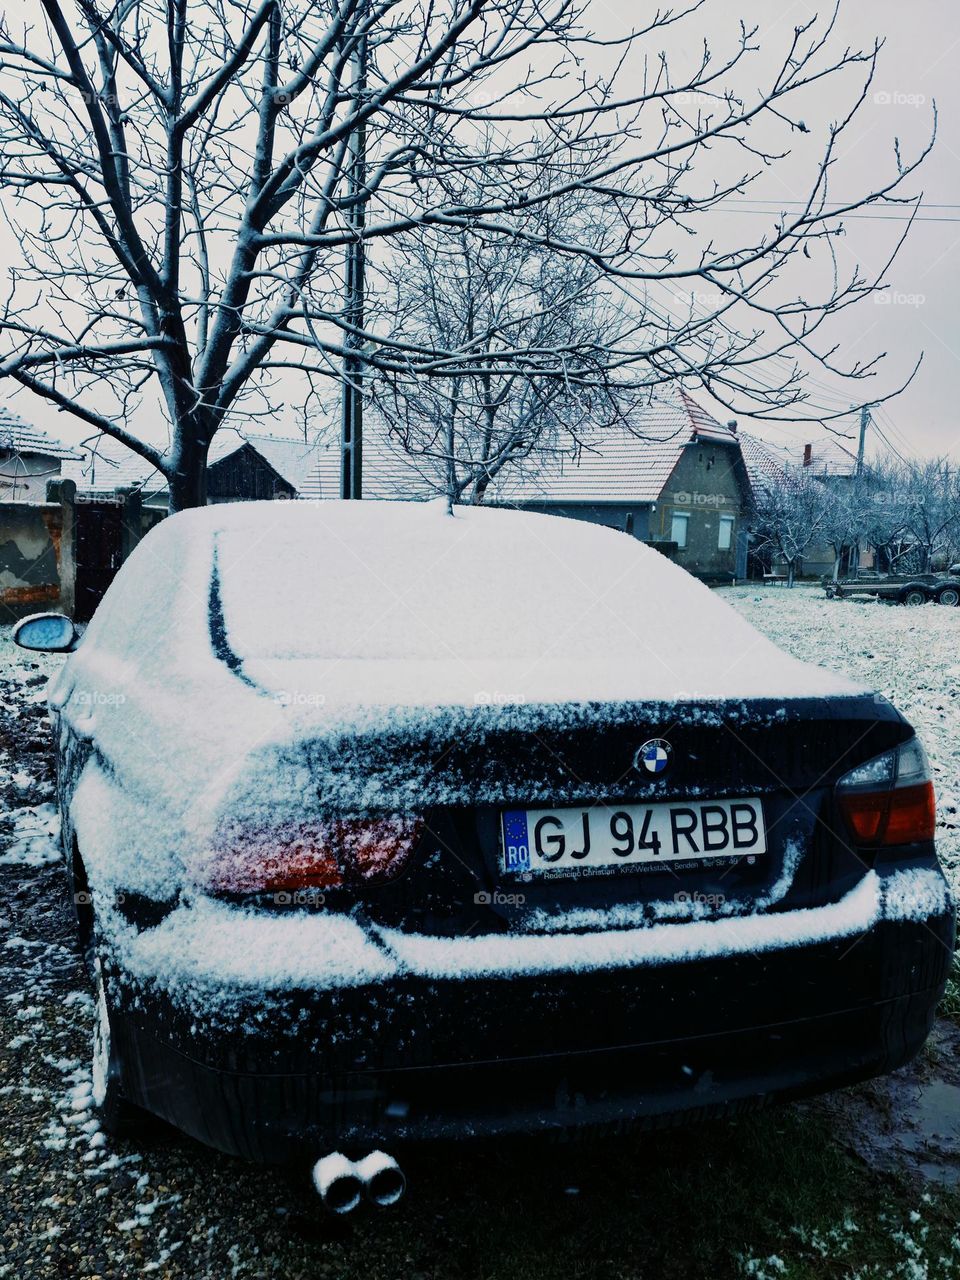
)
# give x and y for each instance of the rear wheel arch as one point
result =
(118, 1117)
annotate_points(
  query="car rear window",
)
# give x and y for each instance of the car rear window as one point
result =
(420, 584)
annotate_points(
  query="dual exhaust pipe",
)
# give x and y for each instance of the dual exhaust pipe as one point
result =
(342, 1183)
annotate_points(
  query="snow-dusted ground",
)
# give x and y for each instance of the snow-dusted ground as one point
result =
(77, 1203)
(911, 656)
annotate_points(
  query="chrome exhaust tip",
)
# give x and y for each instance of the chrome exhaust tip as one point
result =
(337, 1183)
(382, 1178)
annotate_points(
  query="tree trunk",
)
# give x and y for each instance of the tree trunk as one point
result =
(188, 477)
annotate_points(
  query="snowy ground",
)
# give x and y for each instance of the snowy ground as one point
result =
(852, 1185)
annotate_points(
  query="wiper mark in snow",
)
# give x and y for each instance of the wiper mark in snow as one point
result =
(218, 629)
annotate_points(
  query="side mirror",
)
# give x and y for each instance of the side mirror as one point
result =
(47, 632)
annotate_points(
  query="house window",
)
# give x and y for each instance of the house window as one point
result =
(678, 528)
(725, 536)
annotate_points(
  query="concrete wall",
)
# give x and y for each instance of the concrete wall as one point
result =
(707, 483)
(24, 476)
(37, 566)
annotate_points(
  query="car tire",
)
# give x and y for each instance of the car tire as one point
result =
(116, 1115)
(950, 596)
(913, 596)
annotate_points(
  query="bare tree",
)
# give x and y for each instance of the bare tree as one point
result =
(926, 502)
(847, 516)
(790, 516)
(514, 303)
(179, 175)
(882, 518)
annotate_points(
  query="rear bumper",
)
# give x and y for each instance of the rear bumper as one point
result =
(412, 1058)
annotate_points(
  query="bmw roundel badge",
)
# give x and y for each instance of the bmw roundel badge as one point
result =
(654, 757)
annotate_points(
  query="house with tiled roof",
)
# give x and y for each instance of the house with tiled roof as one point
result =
(244, 465)
(674, 477)
(28, 459)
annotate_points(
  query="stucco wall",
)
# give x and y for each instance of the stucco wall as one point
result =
(705, 485)
(36, 559)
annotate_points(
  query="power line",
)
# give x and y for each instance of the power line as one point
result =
(831, 204)
(863, 217)
(890, 445)
(895, 431)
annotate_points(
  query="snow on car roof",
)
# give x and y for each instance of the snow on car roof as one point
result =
(392, 602)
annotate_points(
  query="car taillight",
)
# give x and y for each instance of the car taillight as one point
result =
(314, 855)
(889, 800)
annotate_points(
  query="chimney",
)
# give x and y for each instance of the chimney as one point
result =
(807, 454)
(732, 425)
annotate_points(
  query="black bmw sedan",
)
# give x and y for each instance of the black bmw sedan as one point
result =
(386, 824)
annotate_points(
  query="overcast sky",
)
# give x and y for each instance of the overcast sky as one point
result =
(919, 312)
(920, 65)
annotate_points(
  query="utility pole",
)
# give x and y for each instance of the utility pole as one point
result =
(864, 423)
(854, 558)
(351, 407)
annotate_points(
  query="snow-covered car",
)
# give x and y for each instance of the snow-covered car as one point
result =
(907, 589)
(386, 824)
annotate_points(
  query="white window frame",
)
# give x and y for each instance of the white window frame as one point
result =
(679, 521)
(726, 522)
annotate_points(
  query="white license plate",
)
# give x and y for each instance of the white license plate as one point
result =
(603, 838)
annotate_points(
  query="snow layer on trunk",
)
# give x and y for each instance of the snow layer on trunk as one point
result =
(214, 955)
